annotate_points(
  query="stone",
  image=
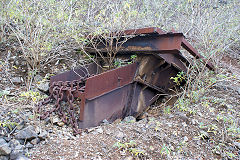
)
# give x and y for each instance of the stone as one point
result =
(13, 143)
(120, 135)
(43, 135)
(18, 151)
(128, 158)
(35, 141)
(43, 86)
(99, 130)
(22, 157)
(4, 147)
(4, 157)
(204, 135)
(237, 144)
(105, 121)
(16, 80)
(185, 139)
(38, 78)
(55, 120)
(129, 119)
(29, 145)
(27, 133)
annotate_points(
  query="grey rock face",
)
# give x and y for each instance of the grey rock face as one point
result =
(44, 86)
(43, 135)
(16, 80)
(4, 158)
(4, 148)
(26, 133)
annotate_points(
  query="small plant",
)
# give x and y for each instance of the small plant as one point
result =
(167, 110)
(131, 147)
(180, 78)
(165, 150)
(34, 96)
(10, 125)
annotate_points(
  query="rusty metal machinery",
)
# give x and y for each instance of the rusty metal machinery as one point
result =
(123, 91)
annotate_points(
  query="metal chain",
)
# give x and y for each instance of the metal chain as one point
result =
(59, 90)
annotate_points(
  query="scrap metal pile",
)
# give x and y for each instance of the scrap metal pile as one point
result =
(124, 91)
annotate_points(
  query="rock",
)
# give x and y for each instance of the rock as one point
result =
(128, 158)
(55, 120)
(129, 119)
(35, 141)
(29, 145)
(182, 116)
(43, 135)
(38, 78)
(185, 139)
(105, 121)
(17, 152)
(184, 124)
(22, 157)
(204, 135)
(60, 124)
(13, 143)
(237, 144)
(120, 135)
(4, 148)
(99, 130)
(16, 80)
(7, 139)
(43, 86)
(4, 157)
(26, 133)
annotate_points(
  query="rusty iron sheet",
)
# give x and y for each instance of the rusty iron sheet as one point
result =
(156, 72)
(186, 45)
(77, 73)
(131, 99)
(108, 106)
(110, 80)
(143, 44)
(149, 30)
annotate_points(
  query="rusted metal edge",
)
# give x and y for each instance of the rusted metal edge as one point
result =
(155, 43)
(109, 80)
(186, 45)
(148, 30)
(156, 31)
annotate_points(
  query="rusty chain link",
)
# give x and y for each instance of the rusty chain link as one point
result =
(59, 91)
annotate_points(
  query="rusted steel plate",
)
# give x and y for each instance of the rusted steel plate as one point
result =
(154, 71)
(76, 73)
(131, 99)
(186, 45)
(108, 106)
(143, 97)
(110, 80)
(149, 30)
(175, 59)
(138, 44)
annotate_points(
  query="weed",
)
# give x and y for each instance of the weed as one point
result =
(130, 147)
(165, 150)
(32, 95)
(180, 78)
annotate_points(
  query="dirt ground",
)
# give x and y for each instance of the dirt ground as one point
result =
(163, 132)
